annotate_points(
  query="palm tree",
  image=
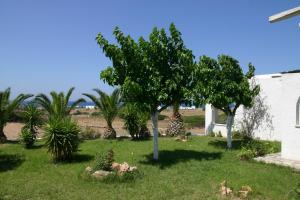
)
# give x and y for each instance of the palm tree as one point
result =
(109, 106)
(32, 117)
(60, 105)
(7, 108)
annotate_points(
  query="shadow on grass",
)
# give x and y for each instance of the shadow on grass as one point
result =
(128, 138)
(12, 142)
(78, 158)
(36, 146)
(169, 158)
(222, 144)
(10, 161)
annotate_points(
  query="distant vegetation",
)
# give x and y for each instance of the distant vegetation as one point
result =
(194, 121)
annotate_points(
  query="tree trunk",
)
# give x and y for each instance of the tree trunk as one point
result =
(229, 123)
(154, 118)
(2, 135)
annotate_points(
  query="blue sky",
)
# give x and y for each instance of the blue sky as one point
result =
(50, 45)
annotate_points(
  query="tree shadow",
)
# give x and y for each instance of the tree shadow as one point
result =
(168, 158)
(10, 161)
(12, 142)
(36, 146)
(78, 158)
(222, 144)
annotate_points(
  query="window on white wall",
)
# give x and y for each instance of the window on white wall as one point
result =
(297, 113)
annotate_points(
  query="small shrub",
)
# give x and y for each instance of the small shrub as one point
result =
(236, 135)
(32, 118)
(62, 138)
(27, 138)
(257, 148)
(89, 134)
(96, 114)
(79, 112)
(246, 154)
(103, 161)
(135, 121)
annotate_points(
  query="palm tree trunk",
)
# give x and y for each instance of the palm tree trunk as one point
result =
(175, 109)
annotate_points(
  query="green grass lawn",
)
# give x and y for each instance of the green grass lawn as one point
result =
(186, 170)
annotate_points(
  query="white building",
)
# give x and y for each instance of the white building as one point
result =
(282, 95)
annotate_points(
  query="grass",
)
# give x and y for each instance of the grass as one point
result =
(186, 170)
(194, 121)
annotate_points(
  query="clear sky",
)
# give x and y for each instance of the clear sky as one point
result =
(50, 45)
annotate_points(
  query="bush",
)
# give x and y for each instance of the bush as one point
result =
(79, 112)
(27, 138)
(96, 114)
(62, 138)
(246, 154)
(89, 134)
(135, 121)
(256, 148)
(32, 118)
(103, 161)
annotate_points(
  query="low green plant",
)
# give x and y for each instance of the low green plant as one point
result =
(254, 148)
(104, 160)
(27, 138)
(32, 118)
(96, 114)
(80, 112)
(246, 154)
(89, 134)
(135, 121)
(62, 138)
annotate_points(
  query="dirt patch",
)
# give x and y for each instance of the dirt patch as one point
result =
(12, 130)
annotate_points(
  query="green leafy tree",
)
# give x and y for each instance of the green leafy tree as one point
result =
(152, 72)
(109, 106)
(60, 105)
(7, 108)
(223, 84)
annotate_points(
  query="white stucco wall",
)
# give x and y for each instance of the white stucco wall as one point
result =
(281, 92)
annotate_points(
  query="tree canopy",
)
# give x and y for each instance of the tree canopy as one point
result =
(223, 84)
(155, 72)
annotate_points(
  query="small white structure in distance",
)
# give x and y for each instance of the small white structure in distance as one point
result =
(90, 107)
(187, 107)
